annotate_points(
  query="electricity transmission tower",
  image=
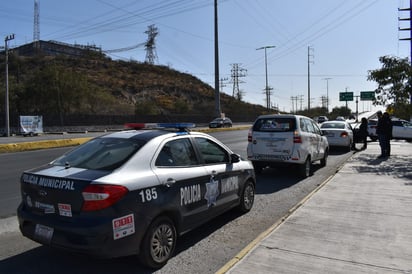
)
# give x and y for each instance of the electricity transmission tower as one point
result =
(237, 72)
(150, 45)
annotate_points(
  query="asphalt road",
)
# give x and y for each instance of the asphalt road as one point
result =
(203, 250)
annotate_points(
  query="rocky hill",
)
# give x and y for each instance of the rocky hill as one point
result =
(95, 85)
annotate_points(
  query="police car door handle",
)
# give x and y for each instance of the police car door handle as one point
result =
(169, 182)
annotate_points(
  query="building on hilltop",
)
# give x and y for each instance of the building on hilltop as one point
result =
(53, 48)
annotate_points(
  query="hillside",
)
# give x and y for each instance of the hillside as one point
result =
(63, 86)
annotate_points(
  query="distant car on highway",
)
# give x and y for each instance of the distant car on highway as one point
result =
(339, 134)
(322, 119)
(221, 122)
(134, 192)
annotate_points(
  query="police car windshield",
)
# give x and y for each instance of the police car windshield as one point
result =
(100, 154)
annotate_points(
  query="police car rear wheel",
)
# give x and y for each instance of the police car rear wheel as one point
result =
(159, 243)
(247, 198)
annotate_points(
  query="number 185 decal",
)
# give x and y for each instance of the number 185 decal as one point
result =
(147, 195)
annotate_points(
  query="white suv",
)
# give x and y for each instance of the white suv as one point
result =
(286, 139)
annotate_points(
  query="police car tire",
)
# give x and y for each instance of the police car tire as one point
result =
(247, 198)
(154, 252)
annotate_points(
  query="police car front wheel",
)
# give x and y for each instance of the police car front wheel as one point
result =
(247, 198)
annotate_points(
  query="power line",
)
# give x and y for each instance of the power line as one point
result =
(110, 51)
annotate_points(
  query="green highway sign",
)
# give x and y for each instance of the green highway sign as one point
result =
(345, 96)
(367, 95)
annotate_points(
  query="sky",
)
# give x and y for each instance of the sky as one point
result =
(336, 42)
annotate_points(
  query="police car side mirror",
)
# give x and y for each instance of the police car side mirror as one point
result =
(234, 158)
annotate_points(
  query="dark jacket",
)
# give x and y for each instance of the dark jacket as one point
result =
(384, 126)
(363, 129)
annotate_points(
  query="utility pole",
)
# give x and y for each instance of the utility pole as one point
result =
(346, 90)
(36, 25)
(217, 94)
(410, 32)
(6, 39)
(267, 89)
(222, 84)
(323, 101)
(310, 49)
(300, 101)
(294, 102)
(327, 92)
(357, 101)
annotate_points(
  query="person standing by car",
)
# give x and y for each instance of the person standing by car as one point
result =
(363, 132)
(384, 132)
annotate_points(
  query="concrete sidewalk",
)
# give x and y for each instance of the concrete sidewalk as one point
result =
(358, 222)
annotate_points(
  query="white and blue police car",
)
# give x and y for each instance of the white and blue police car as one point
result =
(134, 192)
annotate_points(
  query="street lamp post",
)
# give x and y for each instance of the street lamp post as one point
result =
(266, 73)
(8, 38)
(218, 109)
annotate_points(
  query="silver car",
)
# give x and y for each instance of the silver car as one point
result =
(338, 133)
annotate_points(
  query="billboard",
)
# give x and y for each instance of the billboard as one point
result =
(30, 125)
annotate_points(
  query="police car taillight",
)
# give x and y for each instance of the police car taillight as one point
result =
(98, 197)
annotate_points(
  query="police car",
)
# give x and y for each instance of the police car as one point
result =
(134, 192)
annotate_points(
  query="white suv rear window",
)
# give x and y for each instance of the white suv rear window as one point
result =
(275, 124)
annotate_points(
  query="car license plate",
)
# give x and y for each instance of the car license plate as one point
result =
(43, 233)
(331, 135)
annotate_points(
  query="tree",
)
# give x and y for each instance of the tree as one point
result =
(340, 111)
(394, 83)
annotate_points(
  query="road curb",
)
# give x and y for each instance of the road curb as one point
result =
(24, 146)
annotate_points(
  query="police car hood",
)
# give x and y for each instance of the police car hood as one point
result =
(48, 188)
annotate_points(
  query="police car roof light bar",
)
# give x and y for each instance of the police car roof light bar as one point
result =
(179, 126)
(135, 125)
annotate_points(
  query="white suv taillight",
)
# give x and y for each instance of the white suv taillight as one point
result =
(249, 135)
(297, 139)
(98, 197)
